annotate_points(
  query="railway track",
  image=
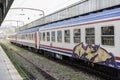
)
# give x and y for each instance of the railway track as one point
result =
(57, 69)
(46, 75)
(78, 65)
(72, 64)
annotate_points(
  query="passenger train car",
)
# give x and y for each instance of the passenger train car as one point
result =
(93, 38)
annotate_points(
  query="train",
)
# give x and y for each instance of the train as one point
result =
(92, 38)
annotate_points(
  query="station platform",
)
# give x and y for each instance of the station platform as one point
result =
(7, 70)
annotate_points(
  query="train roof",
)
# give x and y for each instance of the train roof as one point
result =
(28, 30)
(83, 19)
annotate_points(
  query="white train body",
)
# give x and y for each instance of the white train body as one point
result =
(94, 37)
(107, 41)
(97, 28)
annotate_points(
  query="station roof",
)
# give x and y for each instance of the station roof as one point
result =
(4, 7)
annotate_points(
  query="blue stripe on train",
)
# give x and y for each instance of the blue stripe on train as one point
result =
(81, 19)
(65, 52)
(118, 63)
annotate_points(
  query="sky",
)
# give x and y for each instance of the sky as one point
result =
(47, 5)
(19, 17)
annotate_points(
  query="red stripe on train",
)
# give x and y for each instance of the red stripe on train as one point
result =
(56, 47)
(117, 58)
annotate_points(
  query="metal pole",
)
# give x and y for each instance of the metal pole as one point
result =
(30, 9)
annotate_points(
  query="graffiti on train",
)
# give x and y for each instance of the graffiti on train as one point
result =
(95, 54)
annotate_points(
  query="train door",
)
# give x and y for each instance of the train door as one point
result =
(36, 40)
(15, 38)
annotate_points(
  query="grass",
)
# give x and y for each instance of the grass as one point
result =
(10, 54)
(18, 49)
(62, 69)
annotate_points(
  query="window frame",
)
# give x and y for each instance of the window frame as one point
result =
(59, 36)
(76, 36)
(53, 36)
(48, 36)
(43, 36)
(110, 38)
(40, 36)
(90, 37)
(67, 36)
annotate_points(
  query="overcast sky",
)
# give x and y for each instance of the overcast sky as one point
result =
(49, 6)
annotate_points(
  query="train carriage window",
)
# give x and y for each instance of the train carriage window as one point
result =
(30, 36)
(26, 37)
(67, 36)
(90, 36)
(20, 36)
(59, 36)
(43, 36)
(40, 36)
(53, 36)
(107, 37)
(33, 36)
(77, 33)
(48, 36)
(23, 36)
